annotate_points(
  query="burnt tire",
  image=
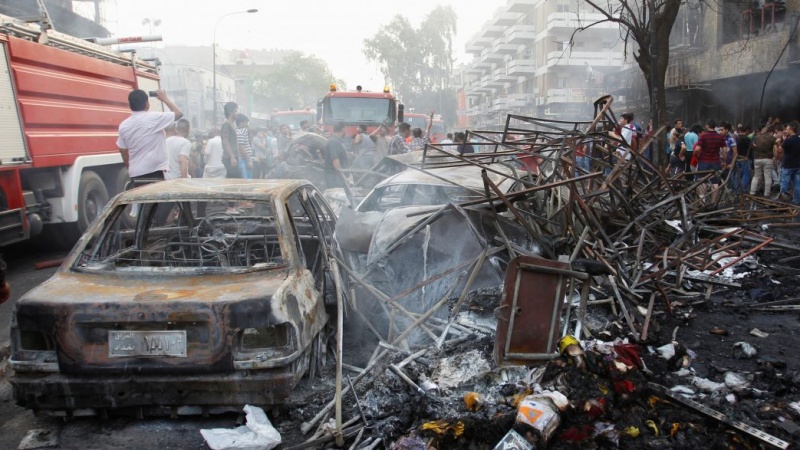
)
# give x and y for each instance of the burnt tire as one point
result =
(92, 197)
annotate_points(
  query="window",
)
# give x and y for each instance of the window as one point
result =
(562, 82)
(182, 235)
(563, 8)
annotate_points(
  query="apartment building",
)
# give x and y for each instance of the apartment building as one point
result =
(523, 63)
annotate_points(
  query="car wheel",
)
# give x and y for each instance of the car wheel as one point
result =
(92, 197)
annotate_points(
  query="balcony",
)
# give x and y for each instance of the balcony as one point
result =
(519, 100)
(485, 81)
(505, 18)
(521, 6)
(521, 34)
(488, 55)
(566, 95)
(521, 67)
(477, 43)
(501, 47)
(501, 75)
(500, 104)
(492, 31)
(572, 20)
(601, 58)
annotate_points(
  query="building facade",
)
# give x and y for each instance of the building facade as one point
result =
(527, 61)
(739, 61)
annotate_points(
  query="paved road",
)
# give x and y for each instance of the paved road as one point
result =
(22, 276)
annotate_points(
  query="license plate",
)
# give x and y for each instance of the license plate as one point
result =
(146, 343)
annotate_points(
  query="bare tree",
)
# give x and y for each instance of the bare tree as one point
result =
(645, 26)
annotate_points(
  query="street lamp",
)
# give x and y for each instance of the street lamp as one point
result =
(214, 59)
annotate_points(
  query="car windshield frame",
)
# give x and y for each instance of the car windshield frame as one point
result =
(220, 241)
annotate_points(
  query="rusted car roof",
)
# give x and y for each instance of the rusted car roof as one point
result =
(195, 188)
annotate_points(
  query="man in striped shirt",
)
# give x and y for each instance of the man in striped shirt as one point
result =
(245, 147)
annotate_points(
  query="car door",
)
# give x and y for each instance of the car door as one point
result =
(305, 288)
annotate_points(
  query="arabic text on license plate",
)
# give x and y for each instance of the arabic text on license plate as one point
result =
(146, 343)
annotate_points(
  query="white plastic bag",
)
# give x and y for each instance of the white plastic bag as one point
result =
(257, 433)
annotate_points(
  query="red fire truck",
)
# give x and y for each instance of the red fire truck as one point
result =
(61, 101)
(293, 118)
(359, 107)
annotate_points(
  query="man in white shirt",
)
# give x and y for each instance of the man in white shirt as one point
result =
(214, 166)
(141, 140)
(179, 149)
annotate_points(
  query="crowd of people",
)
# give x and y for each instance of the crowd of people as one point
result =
(161, 146)
(157, 146)
(748, 159)
(763, 160)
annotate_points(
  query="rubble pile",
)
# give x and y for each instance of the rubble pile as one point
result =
(620, 257)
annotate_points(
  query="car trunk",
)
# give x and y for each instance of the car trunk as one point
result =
(105, 323)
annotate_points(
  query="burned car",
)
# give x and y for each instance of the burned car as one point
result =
(215, 298)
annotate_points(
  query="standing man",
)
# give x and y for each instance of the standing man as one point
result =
(765, 152)
(378, 136)
(463, 146)
(213, 152)
(790, 172)
(245, 147)
(141, 139)
(397, 145)
(179, 150)
(335, 157)
(230, 142)
(712, 149)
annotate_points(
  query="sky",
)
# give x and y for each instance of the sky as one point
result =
(332, 31)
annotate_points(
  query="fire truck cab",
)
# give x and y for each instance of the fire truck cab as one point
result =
(359, 107)
(293, 118)
(416, 120)
(61, 102)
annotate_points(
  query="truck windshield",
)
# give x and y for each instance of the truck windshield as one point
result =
(359, 110)
(416, 122)
(292, 120)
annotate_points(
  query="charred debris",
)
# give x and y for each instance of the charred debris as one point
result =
(550, 314)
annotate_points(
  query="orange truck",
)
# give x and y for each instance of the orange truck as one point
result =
(293, 118)
(61, 101)
(359, 107)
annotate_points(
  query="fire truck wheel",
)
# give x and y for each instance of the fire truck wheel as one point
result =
(92, 197)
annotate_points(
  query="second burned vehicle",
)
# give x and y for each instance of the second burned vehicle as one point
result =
(216, 298)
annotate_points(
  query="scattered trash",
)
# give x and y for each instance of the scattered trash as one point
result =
(538, 414)
(513, 441)
(718, 331)
(38, 438)
(736, 382)
(474, 401)
(460, 369)
(707, 385)
(257, 433)
(758, 333)
(743, 350)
